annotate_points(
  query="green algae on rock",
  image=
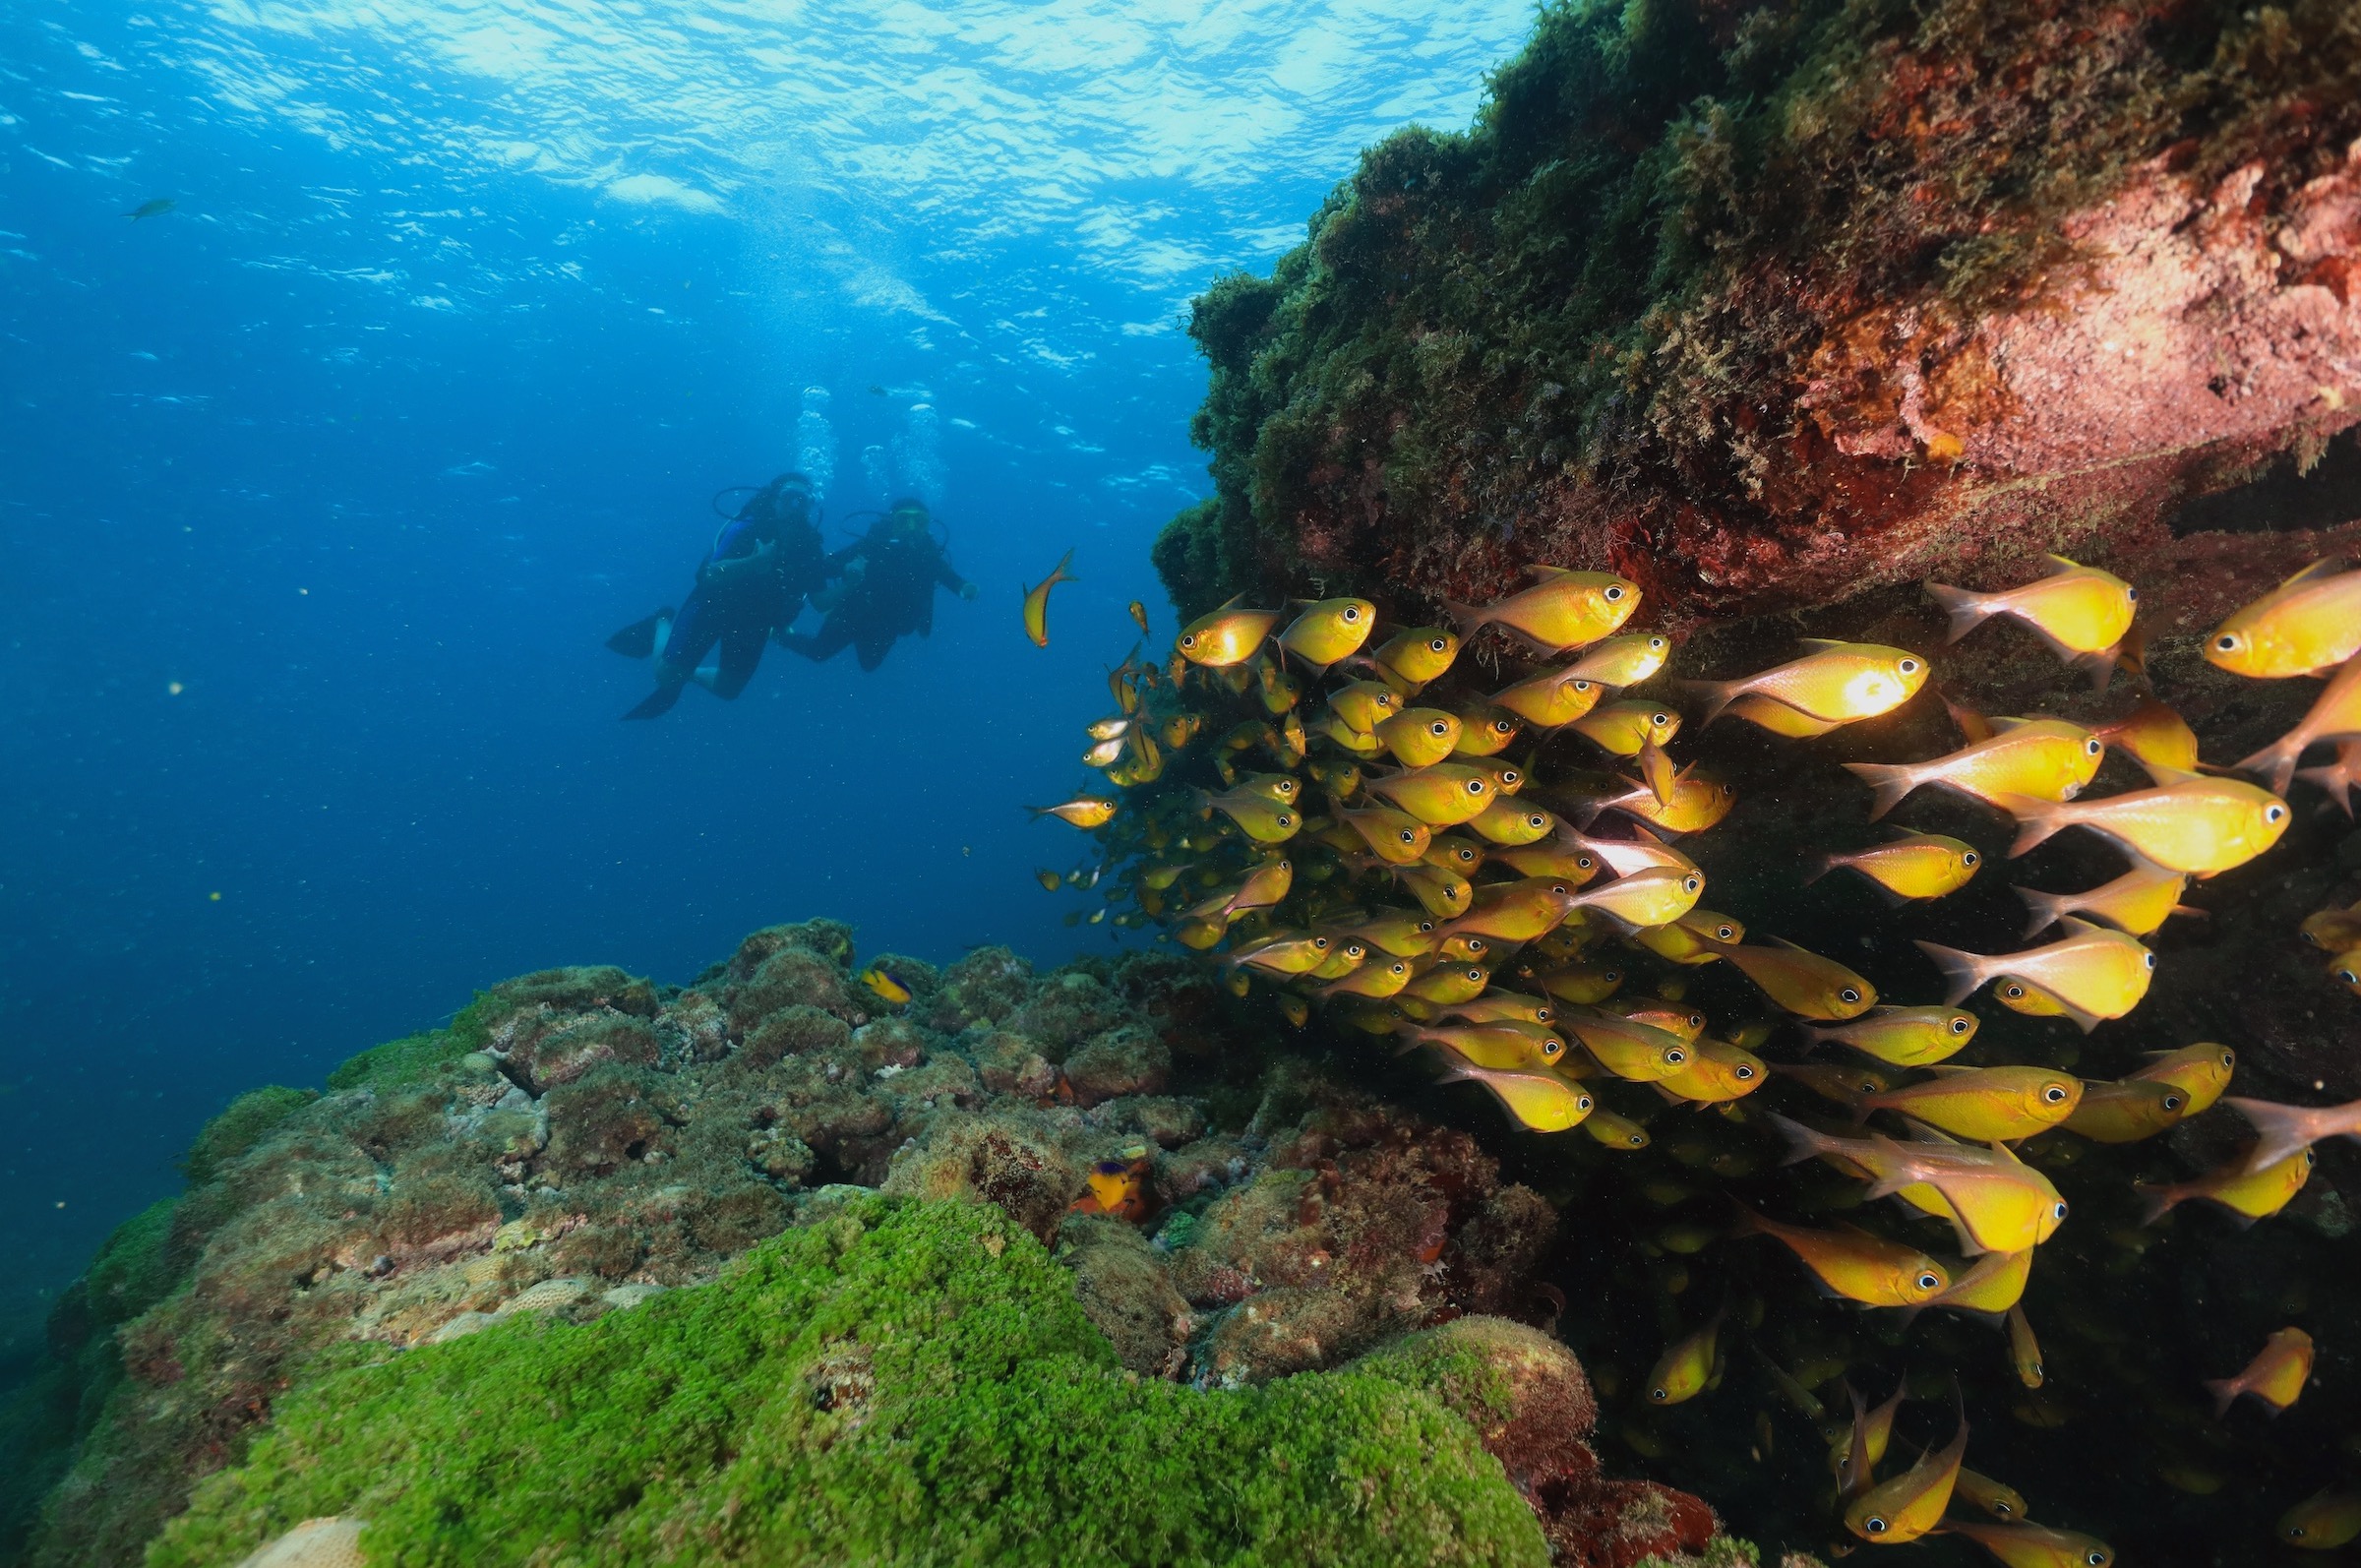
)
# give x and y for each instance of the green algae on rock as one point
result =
(1761, 304)
(900, 1381)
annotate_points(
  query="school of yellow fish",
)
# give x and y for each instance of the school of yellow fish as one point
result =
(1333, 814)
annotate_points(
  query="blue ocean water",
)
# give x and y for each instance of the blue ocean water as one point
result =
(320, 490)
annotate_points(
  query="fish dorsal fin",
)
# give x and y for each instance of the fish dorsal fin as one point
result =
(2063, 564)
(1822, 644)
(1920, 1132)
(2166, 776)
(1643, 836)
(1545, 571)
(1946, 1070)
(1236, 600)
(2326, 566)
(1792, 946)
(2003, 1153)
(2001, 725)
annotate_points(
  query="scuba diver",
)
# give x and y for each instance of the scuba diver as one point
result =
(887, 591)
(764, 562)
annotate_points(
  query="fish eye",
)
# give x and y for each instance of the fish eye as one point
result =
(1583, 1102)
(2229, 1058)
(2173, 1102)
(2000, 1506)
(1438, 727)
(2054, 1093)
(1474, 974)
(1319, 944)
(2349, 976)
(1614, 594)
(1657, 1395)
(2057, 1211)
(2271, 813)
(1286, 820)
(1613, 976)
(1849, 996)
(2131, 593)
(1536, 821)
(2013, 991)
(1503, 727)
(1551, 1047)
(1690, 885)
(1584, 862)
(1930, 1281)
(1541, 1015)
(1970, 859)
(1354, 949)
(1725, 933)
(1910, 666)
(1509, 775)
(1660, 720)
(1475, 786)
(1655, 642)
(1743, 1073)
(1189, 641)
(1437, 644)
(2152, 960)
(2097, 1559)
(1351, 614)
(2094, 746)
(1409, 835)
(2226, 641)
(1960, 1026)
(1874, 1523)
(1677, 1055)
(1696, 1020)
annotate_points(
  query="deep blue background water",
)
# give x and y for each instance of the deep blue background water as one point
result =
(319, 493)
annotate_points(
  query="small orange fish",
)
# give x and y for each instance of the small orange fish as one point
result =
(2154, 733)
(2305, 625)
(2248, 1195)
(1083, 811)
(2275, 1376)
(2045, 760)
(1139, 614)
(2138, 901)
(1836, 681)
(2080, 612)
(2186, 823)
(1118, 1187)
(1037, 602)
(1565, 610)
(2093, 972)
(1856, 1265)
(1914, 866)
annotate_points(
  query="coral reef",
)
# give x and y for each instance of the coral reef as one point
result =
(579, 1145)
(1763, 304)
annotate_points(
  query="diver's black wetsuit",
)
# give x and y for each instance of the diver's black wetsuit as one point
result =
(762, 565)
(891, 597)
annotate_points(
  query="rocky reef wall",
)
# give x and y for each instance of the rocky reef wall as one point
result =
(1093, 1194)
(1761, 304)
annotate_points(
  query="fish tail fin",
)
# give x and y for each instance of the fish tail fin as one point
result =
(1469, 618)
(2042, 910)
(1716, 695)
(1962, 972)
(2156, 1201)
(2330, 777)
(1802, 1141)
(2101, 666)
(2276, 762)
(2037, 820)
(2225, 1392)
(1821, 867)
(2281, 1127)
(1888, 783)
(1967, 610)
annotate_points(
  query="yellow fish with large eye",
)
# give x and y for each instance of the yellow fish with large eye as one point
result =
(2079, 611)
(1282, 954)
(1513, 825)
(2046, 759)
(1363, 705)
(1565, 610)
(1329, 630)
(1496, 1046)
(1692, 805)
(2092, 972)
(1657, 896)
(2250, 1194)
(1998, 1202)
(1376, 981)
(1717, 1073)
(1986, 1104)
(1418, 656)
(1637, 1052)
(1913, 1503)
(1914, 866)
(2128, 1112)
(2203, 1071)
(1622, 728)
(2154, 733)
(2137, 901)
(1583, 985)
(1625, 661)
(1856, 1265)
(2323, 1521)
(1418, 737)
(1440, 891)
(1539, 1101)
(1903, 1037)
(1443, 796)
(1257, 815)
(1840, 680)
(1083, 811)
(1683, 940)
(2022, 1545)
(1802, 981)
(2194, 824)
(2277, 1375)
(1550, 700)
(1614, 1131)
(1486, 731)
(1228, 637)
(1395, 837)
(1453, 853)
(2309, 624)
(1685, 1367)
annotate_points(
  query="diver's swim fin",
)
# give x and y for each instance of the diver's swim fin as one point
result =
(656, 703)
(638, 641)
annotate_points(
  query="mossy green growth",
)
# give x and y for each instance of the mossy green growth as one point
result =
(244, 1122)
(414, 1059)
(899, 1382)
